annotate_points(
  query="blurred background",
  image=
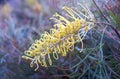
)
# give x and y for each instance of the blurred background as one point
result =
(22, 21)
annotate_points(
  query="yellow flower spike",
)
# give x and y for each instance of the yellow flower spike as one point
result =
(83, 21)
(66, 46)
(32, 64)
(44, 63)
(43, 53)
(55, 55)
(58, 49)
(27, 58)
(30, 53)
(63, 51)
(70, 29)
(60, 39)
(49, 59)
(86, 28)
(39, 61)
(71, 42)
(69, 11)
(53, 31)
(37, 66)
(77, 22)
(61, 18)
(71, 47)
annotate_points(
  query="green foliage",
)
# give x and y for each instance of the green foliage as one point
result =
(115, 18)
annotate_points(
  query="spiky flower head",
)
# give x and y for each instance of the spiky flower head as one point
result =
(60, 39)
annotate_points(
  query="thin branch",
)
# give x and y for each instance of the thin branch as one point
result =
(116, 31)
(100, 11)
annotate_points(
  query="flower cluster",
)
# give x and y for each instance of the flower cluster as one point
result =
(61, 38)
(34, 5)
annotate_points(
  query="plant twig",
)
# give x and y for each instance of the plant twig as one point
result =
(108, 24)
(116, 31)
(100, 11)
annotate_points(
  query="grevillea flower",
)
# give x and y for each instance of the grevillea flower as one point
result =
(34, 5)
(6, 10)
(60, 39)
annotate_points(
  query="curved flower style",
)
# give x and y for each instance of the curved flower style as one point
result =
(61, 38)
